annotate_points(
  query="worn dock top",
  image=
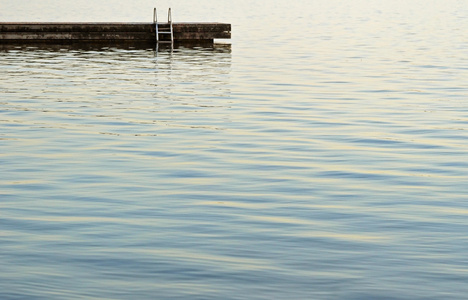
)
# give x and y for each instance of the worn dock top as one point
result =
(13, 32)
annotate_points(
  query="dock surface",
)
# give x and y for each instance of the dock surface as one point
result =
(108, 32)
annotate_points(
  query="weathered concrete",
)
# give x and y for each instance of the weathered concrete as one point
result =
(108, 32)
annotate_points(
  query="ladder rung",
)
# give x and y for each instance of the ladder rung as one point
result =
(164, 32)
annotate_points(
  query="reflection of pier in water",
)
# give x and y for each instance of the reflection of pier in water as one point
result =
(192, 88)
(121, 92)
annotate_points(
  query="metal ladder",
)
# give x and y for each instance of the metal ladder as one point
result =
(166, 29)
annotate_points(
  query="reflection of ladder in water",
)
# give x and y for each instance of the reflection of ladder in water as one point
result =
(164, 32)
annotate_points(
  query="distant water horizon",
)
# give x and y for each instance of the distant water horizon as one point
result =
(321, 153)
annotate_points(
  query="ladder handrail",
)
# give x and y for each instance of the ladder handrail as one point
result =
(169, 20)
(155, 21)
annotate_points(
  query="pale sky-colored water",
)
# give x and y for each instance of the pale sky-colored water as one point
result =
(321, 155)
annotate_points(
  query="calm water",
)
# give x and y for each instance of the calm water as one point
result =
(322, 153)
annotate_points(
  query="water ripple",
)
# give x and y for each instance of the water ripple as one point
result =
(321, 156)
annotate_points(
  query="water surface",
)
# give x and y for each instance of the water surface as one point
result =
(321, 155)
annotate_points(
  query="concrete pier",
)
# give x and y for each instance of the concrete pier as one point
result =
(109, 32)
